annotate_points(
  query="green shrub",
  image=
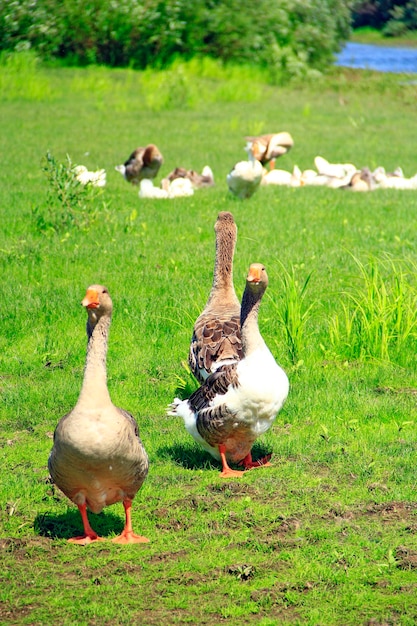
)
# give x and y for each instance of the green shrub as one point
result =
(68, 203)
(289, 37)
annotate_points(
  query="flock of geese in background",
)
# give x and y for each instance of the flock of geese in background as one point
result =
(143, 165)
(98, 457)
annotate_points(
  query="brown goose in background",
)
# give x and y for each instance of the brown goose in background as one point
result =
(205, 179)
(97, 457)
(142, 163)
(239, 401)
(216, 337)
(267, 148)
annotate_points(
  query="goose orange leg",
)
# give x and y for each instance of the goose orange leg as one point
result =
(89, 534)
(128, 536)
(226, 471)
(249, 464)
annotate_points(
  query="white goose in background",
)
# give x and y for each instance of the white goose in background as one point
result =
(216, 335)
(334, 170)
(148, 190)
(178, 188)
(98, 457)
(246, 176)
(276, 177)
(86, 177)
(267, 148)
(394, 180)
(142, 163)
(239, 402)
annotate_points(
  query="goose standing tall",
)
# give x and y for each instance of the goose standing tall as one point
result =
(245, 177)
(239, 402)
(98, 457)
(216, 335)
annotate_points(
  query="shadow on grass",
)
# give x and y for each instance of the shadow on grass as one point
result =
(69, 524)
(195, 458)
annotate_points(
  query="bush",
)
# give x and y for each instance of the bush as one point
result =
(287, 36)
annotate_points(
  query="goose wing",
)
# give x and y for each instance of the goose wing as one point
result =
(215, 421)
(215, 340)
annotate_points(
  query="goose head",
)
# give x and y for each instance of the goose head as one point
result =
(257, 278)
(225, 222)
(97, 302)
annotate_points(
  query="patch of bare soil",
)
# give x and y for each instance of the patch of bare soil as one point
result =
(22, 548)
(392, 390)
(406, 559)
(164, 557)
(392, 511)
(14, 615)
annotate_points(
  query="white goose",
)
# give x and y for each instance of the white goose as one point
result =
(238, 402)
(85, 177)
(216, 336)
(245, 177)
(178, 188)
(97, 457)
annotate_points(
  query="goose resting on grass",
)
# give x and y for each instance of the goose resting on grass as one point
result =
(97, 457)
(216, 336)
(239, 402)
(142, 163)
(178, 188)
(246, 176)
(205, 179)
(85, 177)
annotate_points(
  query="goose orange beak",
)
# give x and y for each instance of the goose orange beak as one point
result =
(254, 275)
(90, 300)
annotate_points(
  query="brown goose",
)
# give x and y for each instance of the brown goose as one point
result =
(142, 163)
(239, 401)
(216, 336)
(267, 148)
(205, 179)
(97, 457)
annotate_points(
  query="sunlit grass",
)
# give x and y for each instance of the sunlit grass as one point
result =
(326, 535)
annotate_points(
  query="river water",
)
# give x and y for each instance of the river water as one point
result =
(380, 58)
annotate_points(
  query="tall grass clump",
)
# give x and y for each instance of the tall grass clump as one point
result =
(293, 312)
(379, 315)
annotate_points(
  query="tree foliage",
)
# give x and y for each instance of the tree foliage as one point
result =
(288, 35)
(394, 18)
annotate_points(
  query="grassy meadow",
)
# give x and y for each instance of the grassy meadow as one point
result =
(327, 535)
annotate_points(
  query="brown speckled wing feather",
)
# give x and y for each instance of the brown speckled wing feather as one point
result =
(214, 340)
(215, 423)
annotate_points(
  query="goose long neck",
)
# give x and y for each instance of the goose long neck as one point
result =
(222, 288)
(94, 388)
(251, 336)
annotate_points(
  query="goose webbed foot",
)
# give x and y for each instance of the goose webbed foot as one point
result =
(248, 463)
(227, 472)
(89, 535)
(127, 535)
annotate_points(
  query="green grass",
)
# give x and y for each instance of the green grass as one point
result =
(369, 35)
(327, 535)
